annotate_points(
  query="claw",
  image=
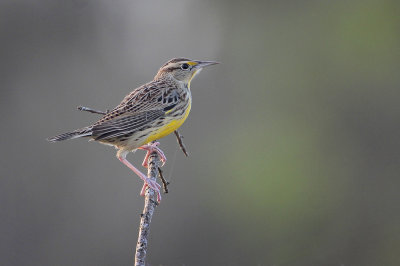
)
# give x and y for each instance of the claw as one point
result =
(156, 189)
(150, 148)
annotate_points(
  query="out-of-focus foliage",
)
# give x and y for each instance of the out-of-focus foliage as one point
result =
(293, 139)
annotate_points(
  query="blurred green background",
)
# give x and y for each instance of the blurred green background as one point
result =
(293, 139)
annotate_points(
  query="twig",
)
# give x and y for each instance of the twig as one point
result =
(164, 182)
(90, 110)
(149, 206)
(179, 138)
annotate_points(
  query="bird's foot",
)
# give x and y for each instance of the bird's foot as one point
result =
(153, 185)
(150, 148)
(148, 182)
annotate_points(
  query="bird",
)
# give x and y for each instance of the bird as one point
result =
(149, 113)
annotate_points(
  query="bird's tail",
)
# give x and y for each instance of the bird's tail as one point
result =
(83, 132)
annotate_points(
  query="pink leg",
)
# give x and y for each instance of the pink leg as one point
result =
(152, 147)
(147, 181)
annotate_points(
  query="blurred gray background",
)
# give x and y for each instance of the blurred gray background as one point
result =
(293, 139)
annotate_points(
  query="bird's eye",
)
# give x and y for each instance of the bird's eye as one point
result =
(185, 66)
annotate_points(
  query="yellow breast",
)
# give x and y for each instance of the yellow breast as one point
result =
(169, 128)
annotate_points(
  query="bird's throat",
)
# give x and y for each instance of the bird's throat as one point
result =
(193, 75)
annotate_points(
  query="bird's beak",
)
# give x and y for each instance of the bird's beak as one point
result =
(201, 64)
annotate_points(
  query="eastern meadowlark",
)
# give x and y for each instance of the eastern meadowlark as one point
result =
(148, 113)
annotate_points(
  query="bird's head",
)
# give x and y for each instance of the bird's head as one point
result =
(182, 69)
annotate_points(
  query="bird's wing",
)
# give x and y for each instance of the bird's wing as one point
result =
(138, 109)
(125, 124)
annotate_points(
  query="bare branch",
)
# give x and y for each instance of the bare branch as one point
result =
(179, 138)
(150, 204)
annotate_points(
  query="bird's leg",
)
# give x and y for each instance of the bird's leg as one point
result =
(152, 147)
(147, 181)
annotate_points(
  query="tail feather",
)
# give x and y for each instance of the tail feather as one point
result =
(84, 132)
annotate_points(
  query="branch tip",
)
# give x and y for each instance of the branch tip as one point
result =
(179, 138)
